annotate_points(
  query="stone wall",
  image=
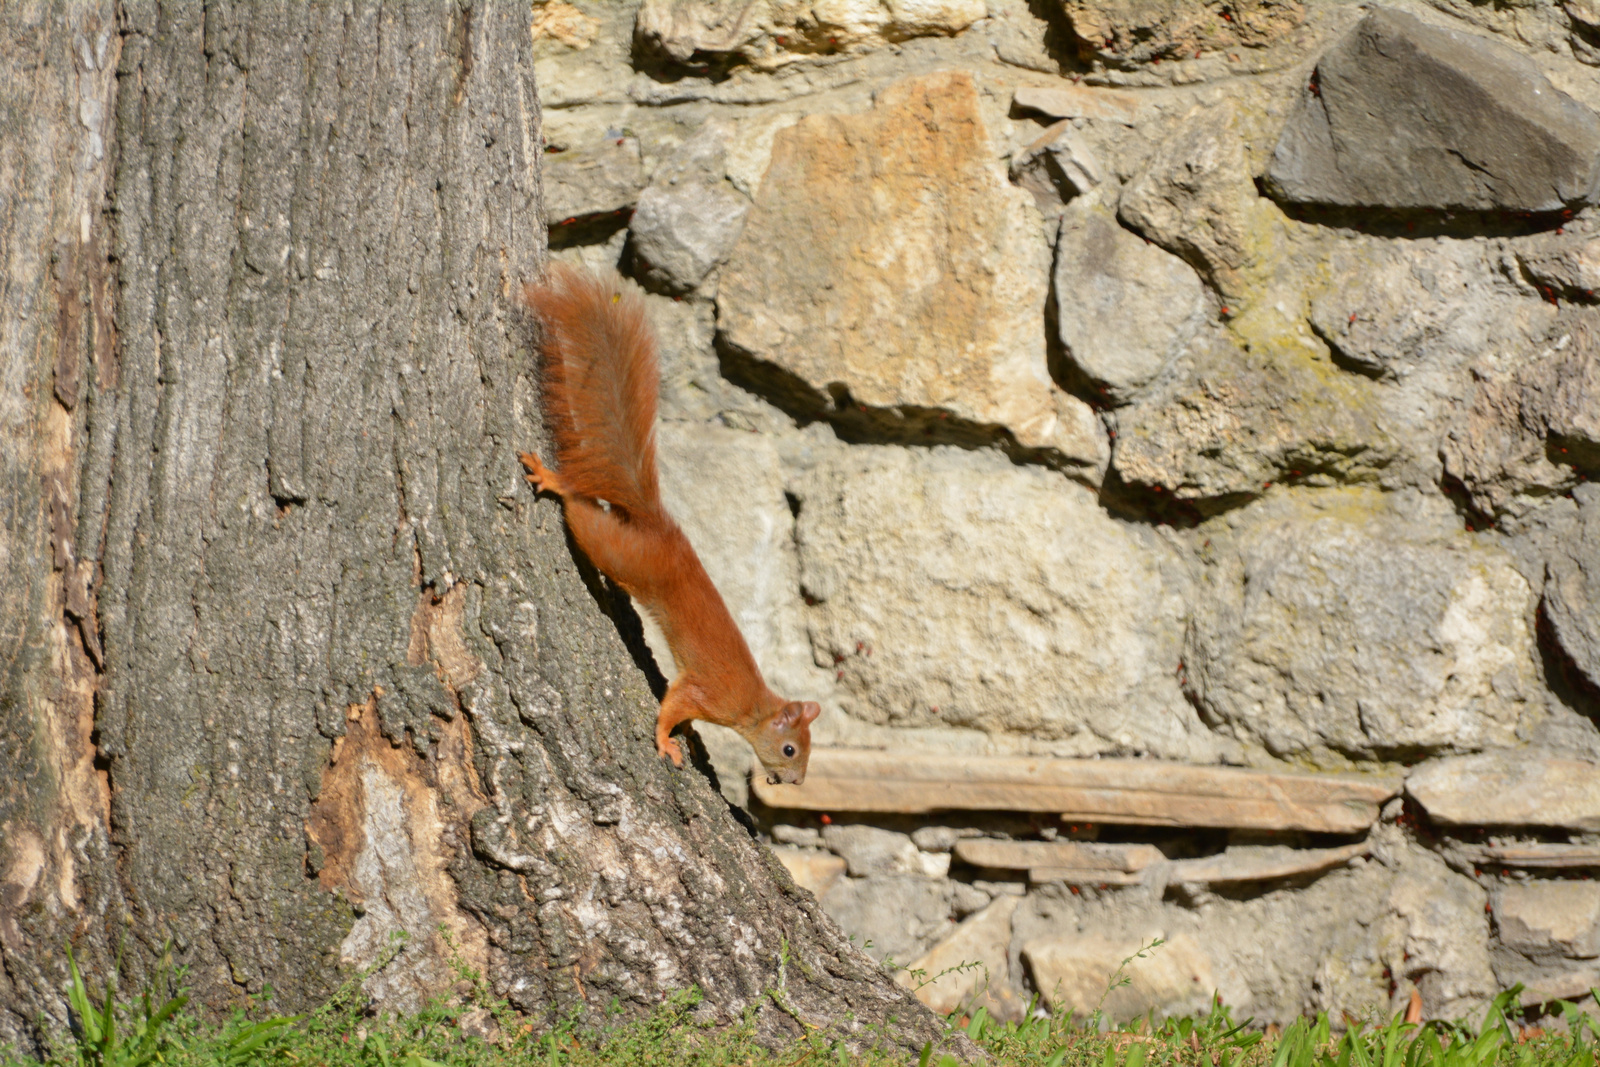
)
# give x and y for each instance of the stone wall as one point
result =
(1159, 435)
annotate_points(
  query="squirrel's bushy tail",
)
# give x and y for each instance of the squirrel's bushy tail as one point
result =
(600, 384)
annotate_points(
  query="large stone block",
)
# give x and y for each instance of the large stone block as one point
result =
(1531, 428)
(888, 260)
(1549, 920)
(1130, 32)
(1386, 307)
(595, 177)
(811, 870)
(1022, 855)
(1332, 623)
(953, 588)
(1075, 973)
(1509, 788)
(970, 968)
(891, 916)
(1125, 307)
(869, 850)
(1572, 587)
(1226, 422)
(1405, 114)
(1564, 264)
(1197, 199)
(772, 33)
(1444, 938)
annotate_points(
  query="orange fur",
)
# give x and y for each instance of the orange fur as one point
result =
(600, 386)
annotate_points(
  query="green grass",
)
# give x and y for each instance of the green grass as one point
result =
(156, 1028)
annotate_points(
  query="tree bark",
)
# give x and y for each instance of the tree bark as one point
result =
(292, 658)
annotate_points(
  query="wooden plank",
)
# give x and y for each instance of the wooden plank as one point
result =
(1123, 791)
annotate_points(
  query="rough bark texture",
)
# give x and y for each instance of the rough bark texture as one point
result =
(347, 676)
(57, 363)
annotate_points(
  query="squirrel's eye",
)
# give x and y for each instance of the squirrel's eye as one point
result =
(788, 751)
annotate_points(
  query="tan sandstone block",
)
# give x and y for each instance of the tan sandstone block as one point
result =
(983, 939)
(1509, 789)
(1095, 864)
(1072, 972)
(1548, 854)
(1020, 855)
(1076, 101)
(887, 254)
(1550, 918)
(816, 871)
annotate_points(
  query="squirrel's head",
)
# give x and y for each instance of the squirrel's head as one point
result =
(783, 741)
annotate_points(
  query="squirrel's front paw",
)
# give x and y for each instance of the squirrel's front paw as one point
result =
(668, 747)
(538, 474)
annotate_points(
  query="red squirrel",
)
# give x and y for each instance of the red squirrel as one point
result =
(599, 390)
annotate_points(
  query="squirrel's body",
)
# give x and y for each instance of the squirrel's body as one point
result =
(600, 386)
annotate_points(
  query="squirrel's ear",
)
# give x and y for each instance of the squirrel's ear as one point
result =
(796, 714)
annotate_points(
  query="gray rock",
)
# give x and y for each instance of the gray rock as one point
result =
(1125, 307)
(681, 232)
(1406, 114)
(1196, 198)
(895, 916)
(801, 836)
(592, 178)
(955, 589)
(1225, 421)
(1531, 427)
(1572, 587)
(1331, 622)
(942, 838)
(689, 217)
(966, 899)
(1549, 920)
(1056, 167)
(869, 850)
(1385, 307)
(1444, 938)
(1565, 265)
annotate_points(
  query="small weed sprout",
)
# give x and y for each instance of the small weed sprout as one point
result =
(1121, 979)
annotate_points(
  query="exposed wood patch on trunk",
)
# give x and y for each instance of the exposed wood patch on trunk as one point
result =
(386, 826)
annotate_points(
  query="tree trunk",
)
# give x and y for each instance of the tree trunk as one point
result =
(293, 660)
